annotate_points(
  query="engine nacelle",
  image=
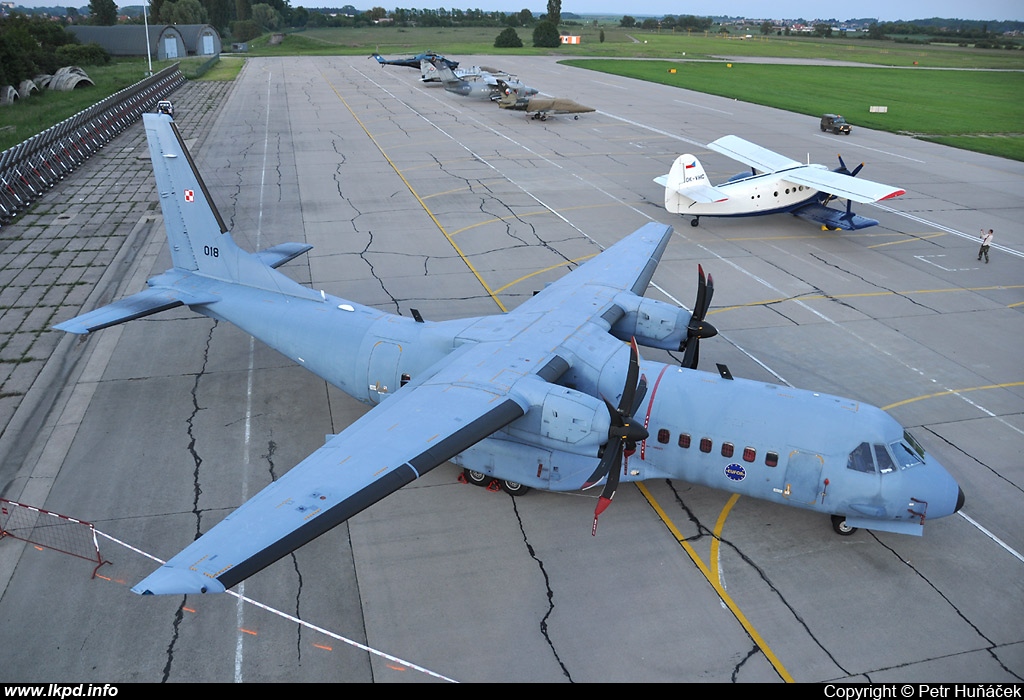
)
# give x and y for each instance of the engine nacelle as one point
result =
(654, 324)
(563, 419)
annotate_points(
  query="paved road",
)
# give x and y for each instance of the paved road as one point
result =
(159, 427)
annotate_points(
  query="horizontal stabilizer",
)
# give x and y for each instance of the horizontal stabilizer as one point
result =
(278, 255)
(144, 303)
(833, 218)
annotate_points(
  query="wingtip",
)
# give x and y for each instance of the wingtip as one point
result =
(169, 580)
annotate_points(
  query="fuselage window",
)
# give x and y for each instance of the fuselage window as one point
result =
(705, 444)
(749, 454)
(663, 436)
(684, 440)
(727, 449)
(860, 459)
(771, 459)
(885, 463)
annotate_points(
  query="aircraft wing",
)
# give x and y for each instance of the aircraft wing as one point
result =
(846, 186)
(489, 381)
(405, 436)
(833, 218)
(757, 157)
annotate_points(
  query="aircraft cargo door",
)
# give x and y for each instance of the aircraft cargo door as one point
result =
(382, 375)
(802, 480)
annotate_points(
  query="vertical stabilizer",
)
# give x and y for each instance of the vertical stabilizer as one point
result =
(687, 184)
(428, 74)
(196, 233)
(686, 171)
(444, 73)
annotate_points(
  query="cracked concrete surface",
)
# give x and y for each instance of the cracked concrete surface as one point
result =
(400, 188)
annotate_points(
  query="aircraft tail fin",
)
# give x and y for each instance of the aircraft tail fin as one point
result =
(686, 184)
(428, 73)
(444, 72)
(198, 237)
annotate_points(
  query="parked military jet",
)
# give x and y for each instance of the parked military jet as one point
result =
(552, 395)
(415, 61)
(539, 107)
(776, 184)
(484, 83)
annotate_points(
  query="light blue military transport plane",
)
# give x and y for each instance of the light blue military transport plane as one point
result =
(552, 395)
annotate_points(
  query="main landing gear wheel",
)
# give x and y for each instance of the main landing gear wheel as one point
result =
(695, 221)
(477, 478)
(840, 526)
(514, 488)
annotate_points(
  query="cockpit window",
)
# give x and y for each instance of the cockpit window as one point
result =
(885, 463)
(905, 455)
(860, 459)
(909, 439)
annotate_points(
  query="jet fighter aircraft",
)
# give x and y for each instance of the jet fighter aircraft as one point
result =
(539, 107)
(484, 83)
(776, 184)
(552, 395)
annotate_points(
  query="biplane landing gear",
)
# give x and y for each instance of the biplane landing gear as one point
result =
(840, 526)
(695, 221)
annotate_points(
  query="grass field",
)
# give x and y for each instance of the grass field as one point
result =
(27, 117)
(977, 107)
(986, 115)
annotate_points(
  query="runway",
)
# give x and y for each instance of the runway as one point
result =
(415, 198)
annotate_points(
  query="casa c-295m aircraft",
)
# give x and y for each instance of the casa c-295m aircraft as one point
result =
(552, 395)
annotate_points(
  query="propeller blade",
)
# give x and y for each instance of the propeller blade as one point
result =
(603, 467)
(641, 394)
(610, 487)
(699, 328)
(626, 402)
(623, 433)
(856, 170)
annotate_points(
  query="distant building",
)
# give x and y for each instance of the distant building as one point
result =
(200, 39)
(166, 42)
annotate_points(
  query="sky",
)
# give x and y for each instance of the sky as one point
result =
(883, 10)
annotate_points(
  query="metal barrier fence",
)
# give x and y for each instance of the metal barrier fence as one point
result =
(50, 530)
(37, 164)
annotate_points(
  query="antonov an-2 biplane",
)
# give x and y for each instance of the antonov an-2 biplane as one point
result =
(776, 184)
(552, 395)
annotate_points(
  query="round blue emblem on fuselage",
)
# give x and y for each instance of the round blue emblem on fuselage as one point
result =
(736, 472)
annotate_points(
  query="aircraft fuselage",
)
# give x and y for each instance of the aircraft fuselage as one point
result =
(752, 195)
(771, 442)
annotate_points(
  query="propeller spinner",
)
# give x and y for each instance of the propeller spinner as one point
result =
(623, 434)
